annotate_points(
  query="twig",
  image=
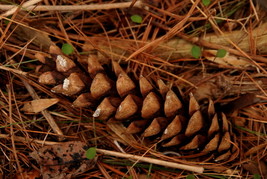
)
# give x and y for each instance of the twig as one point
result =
(153, 161)
(24, 139)
(71, 7)
(13, 9)
(16, 71)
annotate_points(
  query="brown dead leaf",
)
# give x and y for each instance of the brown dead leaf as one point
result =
(252, 167)
(39, 105)
(241, 102)
(32, 174)
(63, 161)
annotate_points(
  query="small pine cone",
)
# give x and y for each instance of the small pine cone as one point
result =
(156, 113)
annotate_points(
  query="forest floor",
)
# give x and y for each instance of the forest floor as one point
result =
(213, 50)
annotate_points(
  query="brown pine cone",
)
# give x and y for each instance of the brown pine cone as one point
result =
(156, 113)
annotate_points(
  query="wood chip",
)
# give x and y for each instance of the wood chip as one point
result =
(39, 105)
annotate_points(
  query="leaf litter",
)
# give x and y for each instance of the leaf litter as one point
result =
(112, 34)
(64, 160)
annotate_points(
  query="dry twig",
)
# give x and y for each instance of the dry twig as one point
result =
(197, 169)
(11, 8)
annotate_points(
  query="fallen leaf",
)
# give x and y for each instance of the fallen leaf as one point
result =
(63, 161)
(252, 167)
(263, 168)
(31, 174)
(39, 105)
(241, 102)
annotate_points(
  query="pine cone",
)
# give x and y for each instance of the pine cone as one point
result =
(155, 113)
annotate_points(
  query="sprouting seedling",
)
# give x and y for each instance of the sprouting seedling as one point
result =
(6, 21)
(90, 153)
(190, 177)
(67, 49)
(137, 18)
(196, 51)
(206, 2)
(221, 53)
(256, 176)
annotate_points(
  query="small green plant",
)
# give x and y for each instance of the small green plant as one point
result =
(196, 51)
(6, 21)
(221, 53)
(190, 177)
(90, 153)
(67, 49)
(256, 176)
(206, 2)
(137, 19)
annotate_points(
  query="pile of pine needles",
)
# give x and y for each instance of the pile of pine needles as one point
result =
(174, 40)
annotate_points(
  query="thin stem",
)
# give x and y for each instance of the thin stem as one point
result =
(152, 161)
(71, 7)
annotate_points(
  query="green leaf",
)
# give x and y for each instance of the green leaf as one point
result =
(196, 51)
(216, 176)
(137, 19)
(221, 53)
(190, 177)
(90, 153)
(206, 2)
(7, 21)
(256, 176)
(67, 49)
